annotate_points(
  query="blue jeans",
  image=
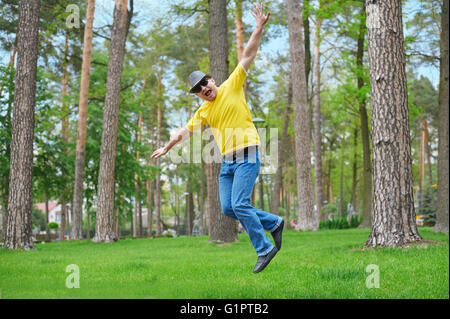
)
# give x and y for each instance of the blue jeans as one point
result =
(236, 181)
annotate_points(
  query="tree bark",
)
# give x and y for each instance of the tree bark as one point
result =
(317, 120)
(104, 231)
(19, 228)
(307, 44)
(443, 190)
(394, 219)
(223, 228)
(306, 215)
(77, 210)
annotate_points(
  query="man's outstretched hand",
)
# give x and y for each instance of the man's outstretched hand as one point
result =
(159, 152)
(258, 13)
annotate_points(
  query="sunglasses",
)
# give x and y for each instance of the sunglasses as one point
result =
(198, 87)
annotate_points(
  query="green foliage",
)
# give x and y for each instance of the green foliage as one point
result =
(340, 223)
(354, 221)
(53, 225)
(428, 208)
(38, 218)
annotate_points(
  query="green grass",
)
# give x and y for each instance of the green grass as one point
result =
(324, 264)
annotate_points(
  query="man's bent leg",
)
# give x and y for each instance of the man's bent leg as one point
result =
(251, 218)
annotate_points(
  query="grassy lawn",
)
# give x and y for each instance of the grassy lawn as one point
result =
(324, 264)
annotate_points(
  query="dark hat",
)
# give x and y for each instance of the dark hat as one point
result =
(195, 77)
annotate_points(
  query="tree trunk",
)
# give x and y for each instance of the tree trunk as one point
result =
(367, 168)
(202, 199)
(282, 154)
(77, 210)
(394, 219)
(158, 164)
(223, 228)
(149, 209)
(354, 167)
(261, 192)
(104, 231)
(65, 134)
(62, 227)
(442, 209)
(306, 216)
(137, 203)
(19, 228)
(341, 190)
(317, 120)
(305, 15)
(47, 230)
(428, 150)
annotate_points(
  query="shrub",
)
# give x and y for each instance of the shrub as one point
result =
(340, 223)
(354, 221)
(428, 207)
(53, 225)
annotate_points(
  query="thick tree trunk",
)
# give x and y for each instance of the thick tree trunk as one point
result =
(282, 154)
(223, 228)
(394, 219)
(317, 120)
(306, 215)
(105, 209)
(77, 210)
(19, 228)
(367, 167)
(442, 209)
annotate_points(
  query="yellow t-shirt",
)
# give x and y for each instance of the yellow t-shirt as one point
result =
(228, 115)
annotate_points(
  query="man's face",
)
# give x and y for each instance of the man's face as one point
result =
(208, 92)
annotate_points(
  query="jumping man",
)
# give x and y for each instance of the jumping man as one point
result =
(226, 111)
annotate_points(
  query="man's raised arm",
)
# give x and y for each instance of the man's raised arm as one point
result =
(251, 48)
(181, 135)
